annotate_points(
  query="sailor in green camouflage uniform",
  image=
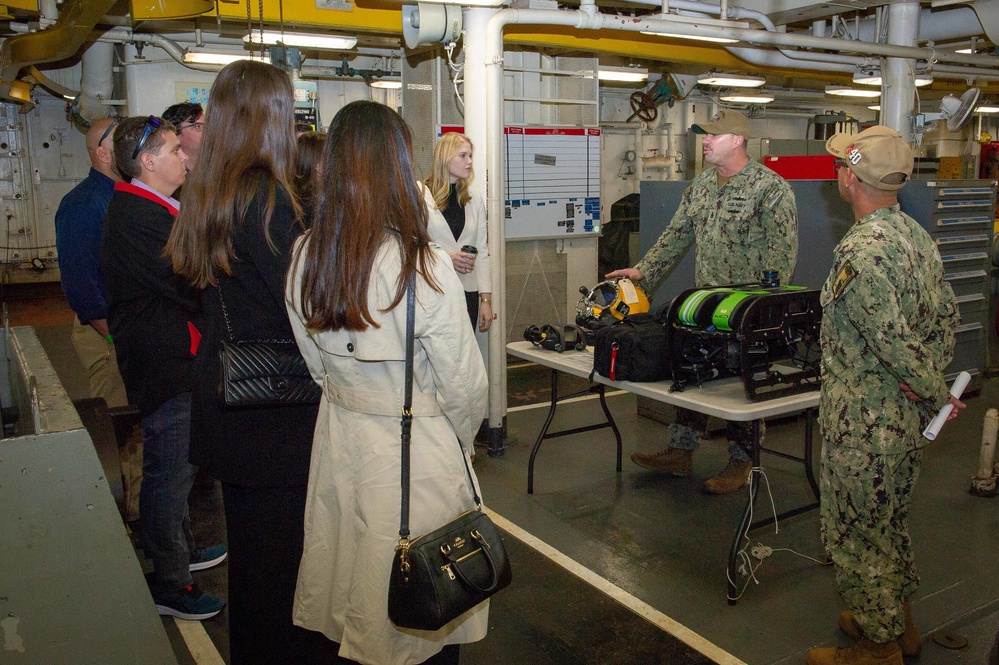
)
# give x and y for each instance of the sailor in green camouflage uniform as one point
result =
(742, 217)
(887, 334)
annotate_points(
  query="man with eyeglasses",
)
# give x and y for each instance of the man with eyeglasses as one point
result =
(888, 320)
(78, 224)
(743, 220)
(189, 122)
(153, 315)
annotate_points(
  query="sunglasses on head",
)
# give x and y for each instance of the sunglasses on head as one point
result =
(107, 132)
(152, 125)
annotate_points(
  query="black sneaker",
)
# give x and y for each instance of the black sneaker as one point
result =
(207, 557)
(188, 603)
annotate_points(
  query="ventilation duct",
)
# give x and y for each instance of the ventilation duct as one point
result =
(152, 10)
(61, 41)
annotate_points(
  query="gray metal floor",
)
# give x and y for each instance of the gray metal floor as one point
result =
(666, 543)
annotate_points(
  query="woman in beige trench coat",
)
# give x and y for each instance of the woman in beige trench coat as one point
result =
(346, 299)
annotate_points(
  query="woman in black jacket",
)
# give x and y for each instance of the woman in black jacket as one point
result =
(239, 220)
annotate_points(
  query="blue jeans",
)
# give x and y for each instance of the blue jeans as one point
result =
(167, 480)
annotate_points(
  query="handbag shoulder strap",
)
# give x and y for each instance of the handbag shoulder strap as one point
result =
(407, 405)
(225, 310)
(407, 419)
(228, 325)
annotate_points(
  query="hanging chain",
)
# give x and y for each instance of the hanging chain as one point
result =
(281, 19)
(260, 9)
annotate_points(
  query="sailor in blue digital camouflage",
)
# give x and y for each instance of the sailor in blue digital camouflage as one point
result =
(887, 334)
(742, 218)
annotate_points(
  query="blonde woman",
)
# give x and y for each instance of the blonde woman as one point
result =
(458, 221)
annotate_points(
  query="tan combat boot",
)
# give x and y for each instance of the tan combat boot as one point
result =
(673, 461)
(730, 479)
(864, 652)
(910, 642)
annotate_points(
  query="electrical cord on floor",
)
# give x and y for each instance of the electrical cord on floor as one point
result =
(760, 551)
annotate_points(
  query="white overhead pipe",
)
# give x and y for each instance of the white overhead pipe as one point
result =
(934, 26)
(835, 62)
(173, 49)
(847, 64)
(176, 51)
(476, 22)
(96, 81)
(898, 80)
(47, 12)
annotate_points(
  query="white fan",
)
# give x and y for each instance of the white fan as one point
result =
(956, 112)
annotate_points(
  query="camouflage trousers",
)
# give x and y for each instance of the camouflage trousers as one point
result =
(865, 507)
(686, 433)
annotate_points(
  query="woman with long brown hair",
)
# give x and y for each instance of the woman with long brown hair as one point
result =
(233, 239)
(347, 299)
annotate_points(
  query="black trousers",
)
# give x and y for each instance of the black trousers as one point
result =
(265, 533)
(472, 302)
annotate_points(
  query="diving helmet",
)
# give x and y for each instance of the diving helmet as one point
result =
(610, 301)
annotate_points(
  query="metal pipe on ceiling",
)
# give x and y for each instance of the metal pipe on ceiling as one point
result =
(898, 75)
(938, 23)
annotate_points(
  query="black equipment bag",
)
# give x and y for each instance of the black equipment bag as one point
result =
(632, 350)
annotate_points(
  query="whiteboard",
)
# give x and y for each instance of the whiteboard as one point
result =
(552, 181)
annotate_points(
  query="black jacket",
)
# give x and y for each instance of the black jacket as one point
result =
(150, 309)
(251, 447)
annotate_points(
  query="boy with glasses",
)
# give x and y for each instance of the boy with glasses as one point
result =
(189, 122)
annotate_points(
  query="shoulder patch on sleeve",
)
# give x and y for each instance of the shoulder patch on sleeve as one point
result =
(843, 278)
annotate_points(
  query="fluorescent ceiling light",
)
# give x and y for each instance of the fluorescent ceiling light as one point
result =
(213, 58)
(987, 109)
(302, 40)
(747, 99)
(731, 80)
(875, 107)
(717, 40)
(967, 51)
(387, 84)
(843, 91)
(623, 74)
(874, 78)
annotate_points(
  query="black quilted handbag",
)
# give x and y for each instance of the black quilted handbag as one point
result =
(442, 574)
(264, 373)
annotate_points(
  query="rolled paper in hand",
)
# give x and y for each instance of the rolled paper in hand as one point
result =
(960, 383)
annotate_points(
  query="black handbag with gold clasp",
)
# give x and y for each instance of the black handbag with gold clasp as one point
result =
(442, 574)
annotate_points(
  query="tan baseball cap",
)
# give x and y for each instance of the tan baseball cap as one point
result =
(879, 156)
(725, 122)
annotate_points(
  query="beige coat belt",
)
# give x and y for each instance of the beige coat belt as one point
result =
(380, 403)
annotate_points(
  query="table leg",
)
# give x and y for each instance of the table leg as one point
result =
(545, 434)
(747, 516)
(613, 425)
(541, 435)
(809, 472)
